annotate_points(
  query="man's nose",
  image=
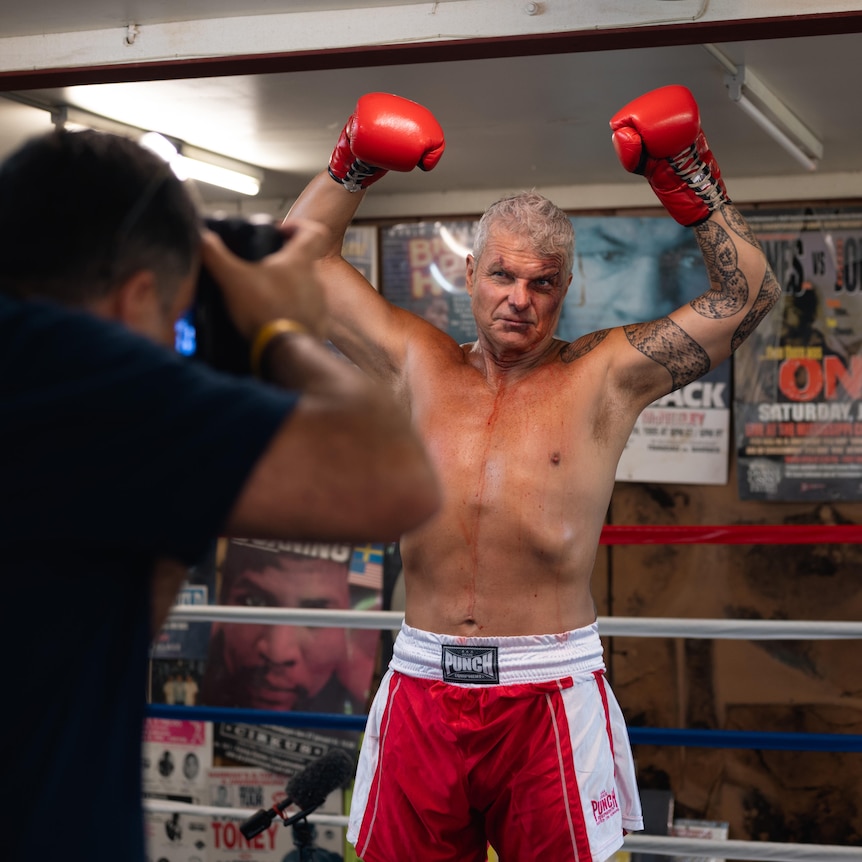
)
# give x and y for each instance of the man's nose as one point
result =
(519, 294)
(281, 644)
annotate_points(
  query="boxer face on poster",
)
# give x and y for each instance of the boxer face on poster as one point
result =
(629, 269)
(281, 667)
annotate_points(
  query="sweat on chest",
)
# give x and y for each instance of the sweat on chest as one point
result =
(515, 429)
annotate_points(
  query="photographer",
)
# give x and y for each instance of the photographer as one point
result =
(122, 462)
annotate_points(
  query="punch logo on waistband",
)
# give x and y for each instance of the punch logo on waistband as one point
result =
(477, 665)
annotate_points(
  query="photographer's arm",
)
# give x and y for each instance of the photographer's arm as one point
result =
(346, 464)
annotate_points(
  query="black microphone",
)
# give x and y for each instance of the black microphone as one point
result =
(307, 789)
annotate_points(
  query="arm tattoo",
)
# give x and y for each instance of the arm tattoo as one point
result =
(721, 259)
(739, 225)
(670, 345)
(770, 291)
(583, 345)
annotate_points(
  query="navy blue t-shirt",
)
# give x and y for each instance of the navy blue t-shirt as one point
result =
(115, 452)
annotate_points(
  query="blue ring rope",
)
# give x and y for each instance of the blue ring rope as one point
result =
(684, 737)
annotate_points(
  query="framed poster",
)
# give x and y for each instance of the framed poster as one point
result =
(798, 379)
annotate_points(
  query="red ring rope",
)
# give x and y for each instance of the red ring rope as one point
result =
(740, 534)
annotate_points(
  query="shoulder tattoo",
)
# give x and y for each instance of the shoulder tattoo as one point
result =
(583, 345)
(668, 344)
(767, 296)
(728, 291)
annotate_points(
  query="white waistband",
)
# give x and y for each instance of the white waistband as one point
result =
(525, 658)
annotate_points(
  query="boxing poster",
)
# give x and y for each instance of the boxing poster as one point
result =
(626, 270)
(198, 837)
(423, 270)
(798, 379)
(631, 269)
(253, 789)
(176, 756)
(291, 668)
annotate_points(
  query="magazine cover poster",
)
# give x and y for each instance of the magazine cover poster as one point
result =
(286, 668)
(798, 379)
(423, 270)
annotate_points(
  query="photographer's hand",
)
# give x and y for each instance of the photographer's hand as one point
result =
(281, 286)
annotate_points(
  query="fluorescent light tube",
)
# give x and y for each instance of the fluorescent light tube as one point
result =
(776, 133)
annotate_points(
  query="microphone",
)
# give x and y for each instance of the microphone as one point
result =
(307, 789)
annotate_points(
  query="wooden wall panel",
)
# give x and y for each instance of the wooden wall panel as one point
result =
(810, 686)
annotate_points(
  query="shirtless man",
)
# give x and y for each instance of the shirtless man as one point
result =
(494, 722)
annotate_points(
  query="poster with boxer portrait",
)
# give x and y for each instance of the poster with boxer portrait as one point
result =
(798, 379)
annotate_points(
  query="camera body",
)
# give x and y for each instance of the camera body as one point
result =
(217, 342)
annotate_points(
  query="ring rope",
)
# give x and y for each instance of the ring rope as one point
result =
(658, 845)
(731, 534)
(609, 626)
(736, 849)
(681, 737)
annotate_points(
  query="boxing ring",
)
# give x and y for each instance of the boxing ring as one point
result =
(609, 626)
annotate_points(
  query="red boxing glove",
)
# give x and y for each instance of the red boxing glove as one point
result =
(658, 135)
(385, 133)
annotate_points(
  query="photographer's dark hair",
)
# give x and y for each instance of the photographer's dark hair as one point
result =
(80, 212)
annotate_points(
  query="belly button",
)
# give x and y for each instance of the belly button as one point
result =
(555, 457)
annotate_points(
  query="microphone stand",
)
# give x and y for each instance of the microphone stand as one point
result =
(303, 840)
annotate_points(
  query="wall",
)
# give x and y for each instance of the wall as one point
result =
(802, 686)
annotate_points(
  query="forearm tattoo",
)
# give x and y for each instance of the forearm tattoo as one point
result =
(739, 225)
(583, 345)
(670, 345)
(728, 292)
(768, 295)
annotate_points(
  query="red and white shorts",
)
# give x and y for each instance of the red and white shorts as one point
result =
(516, 741)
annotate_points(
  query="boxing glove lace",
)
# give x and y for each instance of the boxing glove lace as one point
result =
(659, 136)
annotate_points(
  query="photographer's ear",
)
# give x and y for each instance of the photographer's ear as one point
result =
(138, 305)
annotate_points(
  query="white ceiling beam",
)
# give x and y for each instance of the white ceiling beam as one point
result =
(133, 42)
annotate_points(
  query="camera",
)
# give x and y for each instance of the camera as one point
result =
(206, 332)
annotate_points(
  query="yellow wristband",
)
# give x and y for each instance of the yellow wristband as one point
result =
(267, 333)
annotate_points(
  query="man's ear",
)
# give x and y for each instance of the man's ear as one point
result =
(137, 304)
(468, 274)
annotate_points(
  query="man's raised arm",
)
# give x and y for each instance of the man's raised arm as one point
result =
(659, 136)
(384, 133)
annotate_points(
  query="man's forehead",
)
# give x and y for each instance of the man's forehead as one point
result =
(538, 263)
(292, 573)
(656, 234)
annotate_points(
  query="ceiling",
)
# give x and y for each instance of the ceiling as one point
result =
(510, 122)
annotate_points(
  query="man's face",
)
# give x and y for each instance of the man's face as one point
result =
(629, 270)
(516, 294)
(281, 666)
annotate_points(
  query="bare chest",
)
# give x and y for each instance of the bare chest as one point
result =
(513, 438)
